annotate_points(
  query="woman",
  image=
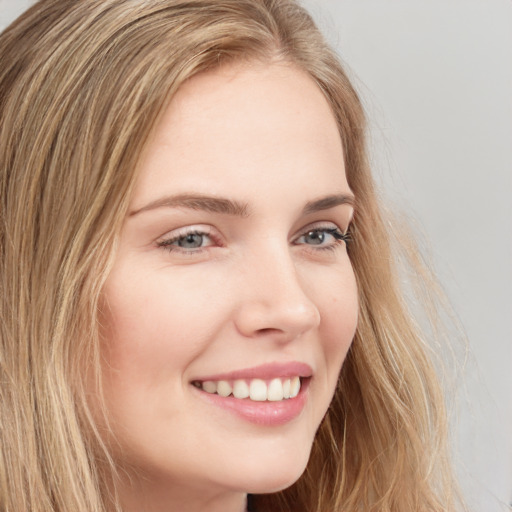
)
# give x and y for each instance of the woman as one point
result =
(198, 295)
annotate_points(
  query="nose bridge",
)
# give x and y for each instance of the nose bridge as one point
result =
(275, 298)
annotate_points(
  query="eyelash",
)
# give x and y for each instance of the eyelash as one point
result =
(169, 243)
(338, 235)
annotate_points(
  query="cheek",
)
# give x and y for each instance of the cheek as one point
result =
(341, 317)
(339, 312)
(153, 327)
(137, 349)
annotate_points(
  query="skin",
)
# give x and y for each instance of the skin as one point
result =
(256, 290)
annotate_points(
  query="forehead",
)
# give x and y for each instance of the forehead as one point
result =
(249, 122)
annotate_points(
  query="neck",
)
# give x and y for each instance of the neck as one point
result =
(141, 495)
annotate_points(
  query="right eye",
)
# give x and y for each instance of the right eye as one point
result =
(187, 241)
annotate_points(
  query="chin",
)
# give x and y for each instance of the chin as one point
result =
(275, 482)
(274, 474)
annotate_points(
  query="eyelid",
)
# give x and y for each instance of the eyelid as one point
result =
(170, 237)
(321, 225)
(339, 238)
(167, 241)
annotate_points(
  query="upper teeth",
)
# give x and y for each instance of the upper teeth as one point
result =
(255, 389)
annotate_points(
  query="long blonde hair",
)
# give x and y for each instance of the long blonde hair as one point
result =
(81, 87)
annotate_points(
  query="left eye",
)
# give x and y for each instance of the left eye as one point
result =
(325, 237)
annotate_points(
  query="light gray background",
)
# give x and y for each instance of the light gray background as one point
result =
(436, 79)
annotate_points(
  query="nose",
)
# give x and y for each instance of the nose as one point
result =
(275, 300)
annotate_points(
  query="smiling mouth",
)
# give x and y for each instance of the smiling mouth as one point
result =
(256, 390)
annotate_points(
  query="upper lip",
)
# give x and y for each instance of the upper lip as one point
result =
(265, 371)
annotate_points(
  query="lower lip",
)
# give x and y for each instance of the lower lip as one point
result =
(262, 413)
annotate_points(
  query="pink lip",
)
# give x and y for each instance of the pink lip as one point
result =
(265, 372)
(263, 413)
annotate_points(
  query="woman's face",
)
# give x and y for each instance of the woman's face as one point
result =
(231, 276)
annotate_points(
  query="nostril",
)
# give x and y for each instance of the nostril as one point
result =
(266, 331)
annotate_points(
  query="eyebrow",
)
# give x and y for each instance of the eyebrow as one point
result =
(197, 202)
(230, 207)
(327, 202)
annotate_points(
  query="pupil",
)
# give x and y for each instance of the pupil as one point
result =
(315, 237)
(191, 241)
